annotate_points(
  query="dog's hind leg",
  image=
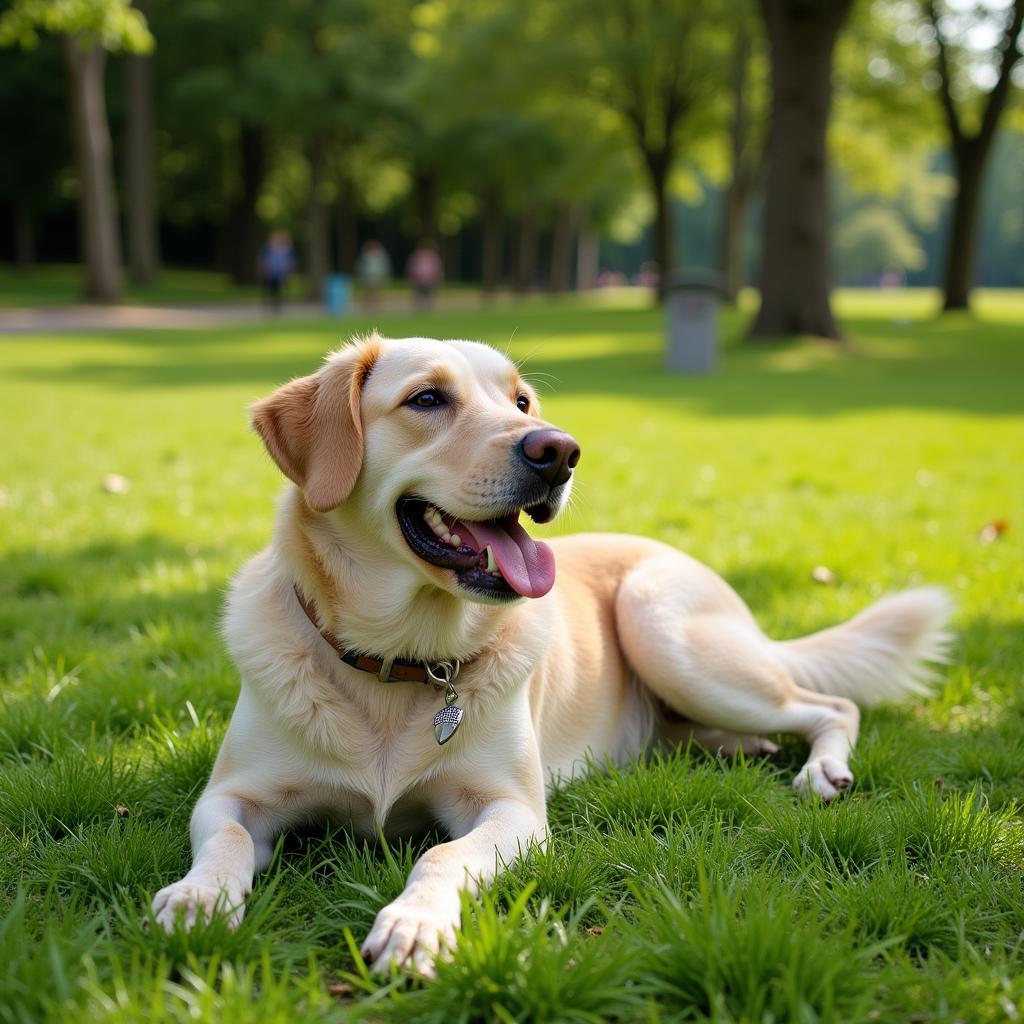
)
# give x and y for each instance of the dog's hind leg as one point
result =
(712, 665)
(677, 731)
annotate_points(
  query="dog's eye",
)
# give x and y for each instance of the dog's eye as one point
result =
(428, 399)
(523, 403)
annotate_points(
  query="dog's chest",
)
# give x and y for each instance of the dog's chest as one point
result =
(385, 763)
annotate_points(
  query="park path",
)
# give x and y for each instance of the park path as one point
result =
(62, 319)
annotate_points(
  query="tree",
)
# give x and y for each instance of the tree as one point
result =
(524, 152)
(746, 158)
(232, 71)
(31, 167)
(657, 64)
(88, 30)
(139, 172)
(875, 239)
(970, 149)
(346, 51)
(796, 276)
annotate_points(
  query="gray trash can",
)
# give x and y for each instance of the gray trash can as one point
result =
(692, 298)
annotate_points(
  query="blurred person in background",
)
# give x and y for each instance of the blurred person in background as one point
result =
(425, 272)
(373, 270)
(277, 261)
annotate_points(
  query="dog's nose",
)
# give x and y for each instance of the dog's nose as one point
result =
(551, 454)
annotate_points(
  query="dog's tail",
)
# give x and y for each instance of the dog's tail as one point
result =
(880, 655)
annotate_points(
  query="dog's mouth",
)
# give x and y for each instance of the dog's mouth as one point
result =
(496, 558)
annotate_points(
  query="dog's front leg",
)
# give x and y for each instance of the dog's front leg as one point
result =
(413, 929)
(225, 854)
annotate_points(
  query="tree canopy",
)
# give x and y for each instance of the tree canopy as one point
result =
(515, 134)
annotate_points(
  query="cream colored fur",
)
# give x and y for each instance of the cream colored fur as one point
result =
(636, 643)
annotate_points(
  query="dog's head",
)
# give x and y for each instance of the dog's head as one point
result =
(439, 445)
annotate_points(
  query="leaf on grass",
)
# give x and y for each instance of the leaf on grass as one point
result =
(991, 532)
(340, 988)
(824, 575)
(114, 483)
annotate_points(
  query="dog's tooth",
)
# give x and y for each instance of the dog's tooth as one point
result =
(456, 540)
(492, 565)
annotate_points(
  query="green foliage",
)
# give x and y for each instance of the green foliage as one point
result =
(680, 886)
(115, 24)
(875, 239)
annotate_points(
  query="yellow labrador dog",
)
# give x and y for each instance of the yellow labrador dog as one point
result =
(410, 655)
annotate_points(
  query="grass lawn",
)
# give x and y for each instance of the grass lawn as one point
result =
(681, 888)
(61, 284)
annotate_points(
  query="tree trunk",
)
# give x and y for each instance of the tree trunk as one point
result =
(24, 237)
(736, 197)
(796, 273)
(970, 151)
(244, 228)
(588, 259)
(100, 245)
(658, 164)
(526, 251)
(318, 257)
(962, 247)
(451, 249)
(730, 241)
(560, 270)
(425, 190)
(491, 242)
(140, 181)
(345, 224)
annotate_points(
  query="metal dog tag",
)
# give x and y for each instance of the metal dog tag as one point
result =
(446, 721)
(449, 718)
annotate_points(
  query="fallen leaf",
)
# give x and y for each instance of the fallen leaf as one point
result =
(824, 575)
(340, 988)
(991, 532)
(122, 810)
(114, 483)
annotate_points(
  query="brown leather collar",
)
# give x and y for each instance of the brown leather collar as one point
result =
(387, 670)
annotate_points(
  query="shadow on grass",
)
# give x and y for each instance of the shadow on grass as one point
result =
(963, 366)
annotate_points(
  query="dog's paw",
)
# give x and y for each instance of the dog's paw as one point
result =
(410, 935)
(188, 901)
(825, 776)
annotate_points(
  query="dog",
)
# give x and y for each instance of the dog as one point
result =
(410, 656)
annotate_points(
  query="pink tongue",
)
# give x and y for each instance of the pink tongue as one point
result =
(528, 565)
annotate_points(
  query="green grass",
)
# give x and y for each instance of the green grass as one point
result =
(61, 284)
(679, 888)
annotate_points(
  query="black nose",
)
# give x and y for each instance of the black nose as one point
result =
(551, 454)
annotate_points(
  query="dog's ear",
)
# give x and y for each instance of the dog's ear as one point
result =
(312, 426)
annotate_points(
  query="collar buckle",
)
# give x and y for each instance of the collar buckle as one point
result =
(443, 673)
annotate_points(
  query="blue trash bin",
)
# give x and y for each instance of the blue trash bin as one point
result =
(337, 293)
